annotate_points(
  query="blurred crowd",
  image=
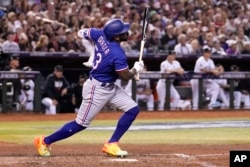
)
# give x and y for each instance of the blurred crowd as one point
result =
(180, 25)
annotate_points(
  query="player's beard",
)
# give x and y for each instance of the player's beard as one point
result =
(123, 37)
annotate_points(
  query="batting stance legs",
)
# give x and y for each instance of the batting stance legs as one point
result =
(95, 97)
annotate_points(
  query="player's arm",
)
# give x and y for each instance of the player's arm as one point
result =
(84, 33)
(179, 71)
(128, 74)
(214, 71)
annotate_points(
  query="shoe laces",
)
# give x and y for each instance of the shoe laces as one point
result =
(114, 147)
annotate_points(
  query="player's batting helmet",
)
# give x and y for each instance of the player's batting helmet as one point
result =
(115, 27)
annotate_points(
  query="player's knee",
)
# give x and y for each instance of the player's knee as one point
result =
(217, 87)
(133, 111)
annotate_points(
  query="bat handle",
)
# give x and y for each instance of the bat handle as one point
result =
(137, 76)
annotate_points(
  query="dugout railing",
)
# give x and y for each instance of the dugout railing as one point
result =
(230, 76)
(6, 76)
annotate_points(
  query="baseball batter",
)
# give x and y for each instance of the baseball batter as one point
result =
(205, 64)
(170, 65)
(110, 62)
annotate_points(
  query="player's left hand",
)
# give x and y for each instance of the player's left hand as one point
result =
(139, 66)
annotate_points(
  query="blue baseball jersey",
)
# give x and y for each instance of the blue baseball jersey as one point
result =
(109, 56)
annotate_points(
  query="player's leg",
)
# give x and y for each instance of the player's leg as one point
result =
(150, 102)
(22, 99)
(195, 93)
(122, 101)
(215, 89)
(175, 96)
(93, 101)
(161, 92)
(29, 106)
(50, 107)
(237, 99)
(246, 101)
(223, 97)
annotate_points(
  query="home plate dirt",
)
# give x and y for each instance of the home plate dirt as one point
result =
(140, 155)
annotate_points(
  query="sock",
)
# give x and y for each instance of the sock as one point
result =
(66, 131)
(124, 123)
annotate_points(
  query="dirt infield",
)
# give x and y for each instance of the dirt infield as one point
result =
(15, 155)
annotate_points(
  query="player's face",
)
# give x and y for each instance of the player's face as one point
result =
(58, 74)
(207, 54)
(123, 37)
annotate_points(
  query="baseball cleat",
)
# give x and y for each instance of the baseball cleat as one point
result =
(112, 149)
(42, 148)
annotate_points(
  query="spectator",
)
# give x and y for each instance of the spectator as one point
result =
(32, 37)
(55, 89)
(230, 25)
(241, 38)
(153, 43)
(73, 23)
(183, 48)
(42, 44)
(246, 48)
(170, 65)
(205, 64)
(10, 45)
(169, 40)
(232, 50)
(222, 39)
(53, 45)
(50, 12)
(21, 20)
(197, 49)
(11, 21)
(217, 49)
(70, 44)
(199, 17)
(209, 39)
(26, 97)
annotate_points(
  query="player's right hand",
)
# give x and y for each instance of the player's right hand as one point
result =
(80, 33)
(139, 66)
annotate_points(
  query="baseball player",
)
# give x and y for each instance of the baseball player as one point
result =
(170, 65)
(26, 97)
(224, 86)
(110, 62)
(205, 64)
(144, 92)
(241, 90)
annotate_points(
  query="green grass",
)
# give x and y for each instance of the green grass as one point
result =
(24, 132)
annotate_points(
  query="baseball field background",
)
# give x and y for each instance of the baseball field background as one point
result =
(169, 138)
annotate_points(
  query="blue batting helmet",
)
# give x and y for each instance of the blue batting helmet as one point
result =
(115, 27)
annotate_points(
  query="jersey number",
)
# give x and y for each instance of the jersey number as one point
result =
(97, 60)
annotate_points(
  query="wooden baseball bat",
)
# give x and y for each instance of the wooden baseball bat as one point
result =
(144, 33)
